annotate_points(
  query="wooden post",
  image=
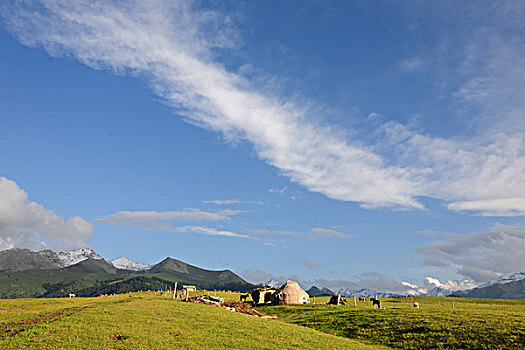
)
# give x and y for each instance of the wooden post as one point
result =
(175, 291)
(338, 299)
(187, 294)
(355, 301)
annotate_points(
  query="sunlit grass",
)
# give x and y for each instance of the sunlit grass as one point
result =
(148, 320)
(452, 323)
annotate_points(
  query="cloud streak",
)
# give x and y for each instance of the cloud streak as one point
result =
(231, 201)
(324, 233)
(209, 231)
(173, 46)
(161, 220)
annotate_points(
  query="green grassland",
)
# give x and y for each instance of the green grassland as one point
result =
(471, 324)
(153, 320)
(149, 320)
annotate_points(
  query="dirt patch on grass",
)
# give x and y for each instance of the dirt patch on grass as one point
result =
(122, 301)
(13, 308)
(15, 328)
(25, 307)
(118, 337)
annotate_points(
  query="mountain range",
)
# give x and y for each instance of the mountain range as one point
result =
(25, 273)
(316, 292)
(505, 287)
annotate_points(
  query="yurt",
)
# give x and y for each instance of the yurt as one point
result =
(290, 293)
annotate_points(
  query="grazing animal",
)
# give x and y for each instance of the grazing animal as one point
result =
(416, 305)
(71, 295)
(376, 302)
(362, 299)
(244, 297)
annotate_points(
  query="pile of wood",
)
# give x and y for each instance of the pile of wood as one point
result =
(336, 299)
(234, 306)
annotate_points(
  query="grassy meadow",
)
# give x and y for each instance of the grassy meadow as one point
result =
(149, 320)
(471, 324)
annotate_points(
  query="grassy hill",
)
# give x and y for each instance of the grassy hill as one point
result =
(93, 277)
(148, 321)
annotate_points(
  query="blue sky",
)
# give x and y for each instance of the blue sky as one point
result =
(338, 143)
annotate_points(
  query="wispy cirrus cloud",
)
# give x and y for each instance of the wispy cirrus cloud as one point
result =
(313, 234)
(209, 231)
(27, 224)
(162, 220)
(231, 201)
(266, 232)
(170, 45)
(278, 190)
(173, 45)
(325, 233)
(169, 220)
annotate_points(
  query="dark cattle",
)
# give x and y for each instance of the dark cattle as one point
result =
(375, 302)
(244, 296)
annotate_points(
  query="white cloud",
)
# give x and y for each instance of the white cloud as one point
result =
(172, 45)
(492, 207)
(266, 232)
(482, 256)
(231, 201)
(431, 282)
(413, 286)
(167, 43)
(24, 223)
(324, 233)
(278, 190)
(162, 220)
(209, 231)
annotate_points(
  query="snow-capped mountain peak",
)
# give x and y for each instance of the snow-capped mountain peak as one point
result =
(72, 257)
(127, 264)
(518, 276)
(273, 283)
(367, 293)
(438, 292)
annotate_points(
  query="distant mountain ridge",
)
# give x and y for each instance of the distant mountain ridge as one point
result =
(24, 259)
(273, 283)
(24, 273)
(505, 279)
(367, 293)
(127, 264)
(510, 286)
(316, 292)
